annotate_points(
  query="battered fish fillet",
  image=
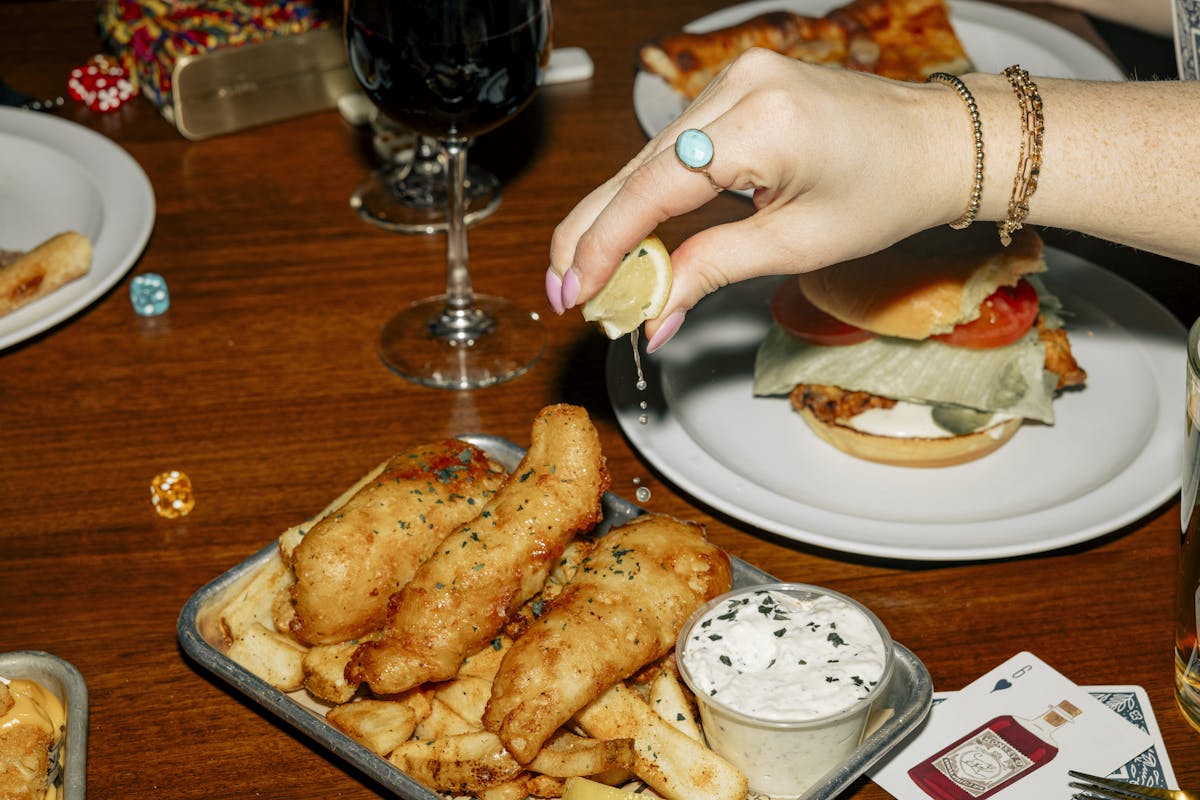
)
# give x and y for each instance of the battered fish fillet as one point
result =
(354, 559)
(460, 598)
(622, 610)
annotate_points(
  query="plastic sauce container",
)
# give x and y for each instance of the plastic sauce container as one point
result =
(785, 676)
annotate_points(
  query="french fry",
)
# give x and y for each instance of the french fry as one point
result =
(466, 763)
(381, 725)
(673, 764)
(566, 755)
(325, 672)
(282, 610)
(468, 697)
(467, 694)
(584, 789)
(485, 662)
(517, 789)
(254, 604)
(671, 701)
(442, 722)
(272, 656)
(288, 540)
(543, 786)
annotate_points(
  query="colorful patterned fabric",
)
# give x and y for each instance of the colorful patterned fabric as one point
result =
(149, 36)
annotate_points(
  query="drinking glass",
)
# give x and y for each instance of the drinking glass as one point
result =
(408, 193)
(1187, 592)
(453, 69)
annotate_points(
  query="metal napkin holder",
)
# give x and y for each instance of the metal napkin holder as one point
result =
(230, 89)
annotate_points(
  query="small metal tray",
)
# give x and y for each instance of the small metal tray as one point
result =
(909, 694)
(63, 680)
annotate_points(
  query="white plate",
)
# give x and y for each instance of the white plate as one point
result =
(56, 175)
(993, 36)
(1113, 455)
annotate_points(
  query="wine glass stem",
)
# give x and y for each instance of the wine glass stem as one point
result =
(461, 320)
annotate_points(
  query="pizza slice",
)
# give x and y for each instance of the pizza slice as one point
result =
(901, 39)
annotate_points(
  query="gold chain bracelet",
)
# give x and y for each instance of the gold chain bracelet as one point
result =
(1029, 163)
(956, 83)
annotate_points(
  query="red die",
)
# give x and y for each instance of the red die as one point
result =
(101, 84)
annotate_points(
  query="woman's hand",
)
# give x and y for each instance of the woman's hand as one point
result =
(840, 164)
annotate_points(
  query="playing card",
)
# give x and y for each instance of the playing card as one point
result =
(1151, 767)
(1014, 733)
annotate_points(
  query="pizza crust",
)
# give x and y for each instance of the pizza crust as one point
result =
(901, 39)
(52, 264)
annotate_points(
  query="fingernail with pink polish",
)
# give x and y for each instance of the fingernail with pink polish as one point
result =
(554, 288)
(669, 328)
(570, 288)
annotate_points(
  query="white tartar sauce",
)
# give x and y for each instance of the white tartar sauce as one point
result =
(778, 657)
(909, 421)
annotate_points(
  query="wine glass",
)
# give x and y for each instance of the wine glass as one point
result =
(453, 69)
(407, 194)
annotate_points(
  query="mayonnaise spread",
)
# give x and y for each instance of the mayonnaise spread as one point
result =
(776, 656)
(907, 420)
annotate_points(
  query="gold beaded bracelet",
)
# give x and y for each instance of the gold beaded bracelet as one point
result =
(1029, 163)
(956, 83)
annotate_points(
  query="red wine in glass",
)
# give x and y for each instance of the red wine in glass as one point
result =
(453, 69)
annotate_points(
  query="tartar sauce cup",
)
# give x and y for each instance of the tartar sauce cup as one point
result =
(786, 676)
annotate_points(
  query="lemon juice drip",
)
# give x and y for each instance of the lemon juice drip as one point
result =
(637, 360)
(643, 418)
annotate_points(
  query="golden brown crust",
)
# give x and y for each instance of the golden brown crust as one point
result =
(351, 561)
(907, 40)
(621, 611)
(49, 266)
(832, 403)
(688, 61)
(901, 39)
(923, 285)
(1059, 358)
(461, 596)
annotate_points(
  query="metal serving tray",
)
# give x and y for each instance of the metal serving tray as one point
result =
(909, 694)
(63, 680)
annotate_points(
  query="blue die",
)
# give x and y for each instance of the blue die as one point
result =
(149, 295)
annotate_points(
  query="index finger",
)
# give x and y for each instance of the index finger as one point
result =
(613, 219)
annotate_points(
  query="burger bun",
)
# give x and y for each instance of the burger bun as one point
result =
(925, 284)
(910, 451)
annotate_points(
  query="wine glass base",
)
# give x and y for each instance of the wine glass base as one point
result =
(404, 200)
(495, 343)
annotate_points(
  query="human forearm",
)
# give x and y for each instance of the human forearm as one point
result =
(841, 165)
(1119, 160)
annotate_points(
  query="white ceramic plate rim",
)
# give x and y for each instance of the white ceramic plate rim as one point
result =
(1113, 456)
(993, 36)
(122, 222)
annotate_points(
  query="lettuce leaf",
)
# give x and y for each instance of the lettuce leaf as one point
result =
(1008, 379)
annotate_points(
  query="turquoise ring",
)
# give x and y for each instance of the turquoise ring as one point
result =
(695, 151)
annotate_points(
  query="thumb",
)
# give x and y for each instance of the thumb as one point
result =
(717, 257)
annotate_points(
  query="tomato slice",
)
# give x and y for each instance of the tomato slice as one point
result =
(1004, 317)
(799, 317)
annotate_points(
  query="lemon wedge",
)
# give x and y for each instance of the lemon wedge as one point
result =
(583, 789)
(636, 292)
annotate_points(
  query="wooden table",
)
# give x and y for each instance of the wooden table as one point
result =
(262, 384)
